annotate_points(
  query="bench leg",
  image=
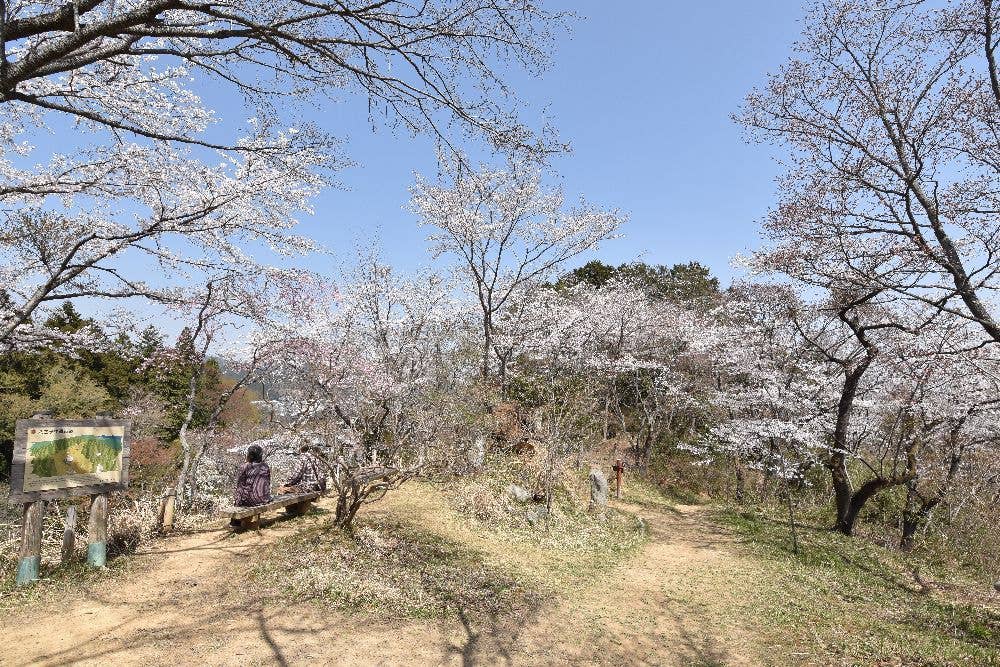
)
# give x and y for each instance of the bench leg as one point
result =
(247, 522)
(299, 508)
(254, 521)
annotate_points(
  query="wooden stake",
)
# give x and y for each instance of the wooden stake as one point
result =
(97, 531)
(619, 468)
(31, 543)
(69, 535)
(167, 511)
(791, 522)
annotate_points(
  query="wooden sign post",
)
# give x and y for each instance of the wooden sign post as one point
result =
(30, 556)
(97, 531)
(62, 458)
(69, 535)
(619, 469)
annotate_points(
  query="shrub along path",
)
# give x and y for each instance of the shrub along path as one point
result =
(690, 596)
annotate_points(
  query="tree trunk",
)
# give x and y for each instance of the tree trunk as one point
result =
(857, 503)
(842, 490)
(868, 490)
(487, 346)
(842, 487)
(741, 480)
(647, 450)
(349, 501)
(917, 508)
(195, 462)
(182, 475)
(911, 517)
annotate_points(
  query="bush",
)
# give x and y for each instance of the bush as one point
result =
(571, 525)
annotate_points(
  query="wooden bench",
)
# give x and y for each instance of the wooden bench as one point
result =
(249, 517)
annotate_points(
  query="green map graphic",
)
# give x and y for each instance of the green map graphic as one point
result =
(76, 455)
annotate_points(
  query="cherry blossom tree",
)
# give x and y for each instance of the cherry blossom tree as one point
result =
(889, 113)
(362, 369)
(144, 177)
(507, 232)
(774, 397)
(424, 65)
(228, 302)
(877, 394)
(956, 416)
(637, 356)
(197, 221)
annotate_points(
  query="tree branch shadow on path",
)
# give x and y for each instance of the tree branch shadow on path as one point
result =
(705, 651)
(118, 641)
(489, 637)
(279, 657)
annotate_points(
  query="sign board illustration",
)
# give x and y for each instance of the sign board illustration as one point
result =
(57, 458)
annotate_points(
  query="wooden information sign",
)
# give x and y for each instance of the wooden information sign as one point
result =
(61, 458)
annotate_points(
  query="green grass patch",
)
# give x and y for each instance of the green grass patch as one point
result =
(643, 493)
(857, 602)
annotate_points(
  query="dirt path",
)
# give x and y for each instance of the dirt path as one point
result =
(685, 600)
(680, 601)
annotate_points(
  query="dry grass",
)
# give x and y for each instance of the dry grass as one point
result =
(390, 570)
(429, 550)
(571, 528)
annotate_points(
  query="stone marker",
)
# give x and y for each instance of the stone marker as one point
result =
(598, 488)
(518, 493)
(476, 453)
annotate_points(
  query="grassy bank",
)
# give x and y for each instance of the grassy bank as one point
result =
(845, 600)
(416, 555)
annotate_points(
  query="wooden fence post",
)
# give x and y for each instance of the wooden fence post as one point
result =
(69, 535)
(167, 505)
(97, 531)
(619, 468)
(31, 543)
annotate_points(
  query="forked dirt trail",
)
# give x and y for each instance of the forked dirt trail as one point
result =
(683, 600)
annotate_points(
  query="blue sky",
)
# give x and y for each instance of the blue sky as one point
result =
(644, 95)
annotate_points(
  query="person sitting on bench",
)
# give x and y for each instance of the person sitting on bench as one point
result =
(253, 480)
(309, 475)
